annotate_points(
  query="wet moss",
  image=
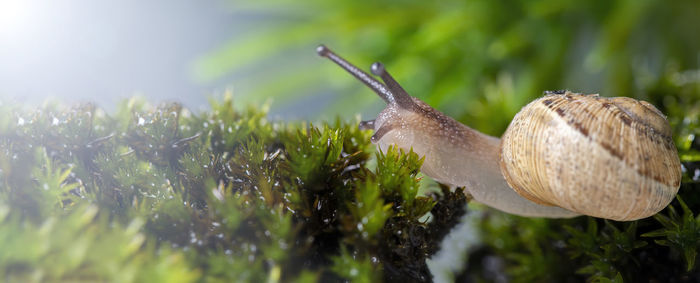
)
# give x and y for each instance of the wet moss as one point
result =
(164, 194)
(227, 194)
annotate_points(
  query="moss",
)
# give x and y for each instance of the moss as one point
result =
(163, 194)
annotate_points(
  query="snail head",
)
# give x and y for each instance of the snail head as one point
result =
(404, 116)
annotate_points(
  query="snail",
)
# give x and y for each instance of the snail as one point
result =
(563, 155)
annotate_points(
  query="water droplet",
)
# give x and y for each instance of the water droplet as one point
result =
(354, 272)
(282, 244)
(193, 237)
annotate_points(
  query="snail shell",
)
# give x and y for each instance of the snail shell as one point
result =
(605, 157)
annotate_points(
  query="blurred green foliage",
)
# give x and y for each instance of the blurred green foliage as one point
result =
(479, 61)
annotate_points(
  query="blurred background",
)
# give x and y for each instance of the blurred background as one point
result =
(107, 51)
(479, 61)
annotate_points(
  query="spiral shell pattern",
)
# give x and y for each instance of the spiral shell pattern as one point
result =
(611, 158)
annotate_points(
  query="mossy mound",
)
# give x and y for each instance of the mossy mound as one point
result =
(166, 195)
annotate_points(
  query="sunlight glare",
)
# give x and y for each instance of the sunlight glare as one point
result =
(15, 17)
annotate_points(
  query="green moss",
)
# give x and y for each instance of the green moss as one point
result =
(166, 195)
(680, 232)
(81, 245)
(163, 194)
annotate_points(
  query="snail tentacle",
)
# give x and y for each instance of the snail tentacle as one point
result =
(365, 78)
(402, 98)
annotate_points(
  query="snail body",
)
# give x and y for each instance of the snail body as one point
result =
(563, 155)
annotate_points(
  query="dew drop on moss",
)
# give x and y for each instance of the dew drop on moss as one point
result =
(354, 272)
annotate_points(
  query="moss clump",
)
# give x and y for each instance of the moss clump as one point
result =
(165, 195)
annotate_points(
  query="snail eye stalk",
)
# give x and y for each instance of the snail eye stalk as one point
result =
(391, 93)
